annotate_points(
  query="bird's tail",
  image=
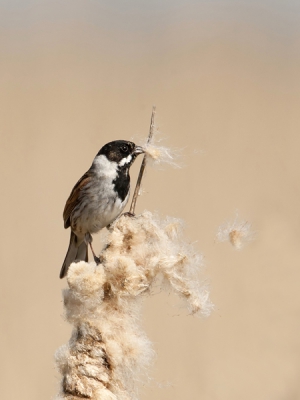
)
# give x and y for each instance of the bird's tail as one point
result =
(76, 251)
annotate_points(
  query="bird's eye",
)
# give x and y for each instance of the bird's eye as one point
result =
(124, 148)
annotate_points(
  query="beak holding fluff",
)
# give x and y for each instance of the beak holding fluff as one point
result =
(138, 150)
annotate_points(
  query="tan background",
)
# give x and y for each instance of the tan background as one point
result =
(225, 77)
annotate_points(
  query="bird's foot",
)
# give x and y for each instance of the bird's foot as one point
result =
(98, 260)
(128, 214)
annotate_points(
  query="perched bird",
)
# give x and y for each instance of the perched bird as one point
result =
(98, 198)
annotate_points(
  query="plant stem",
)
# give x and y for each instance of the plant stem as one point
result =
(142, 169)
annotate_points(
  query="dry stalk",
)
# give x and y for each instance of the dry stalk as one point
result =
(143, 165)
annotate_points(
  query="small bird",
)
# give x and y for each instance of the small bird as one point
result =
(98, 198)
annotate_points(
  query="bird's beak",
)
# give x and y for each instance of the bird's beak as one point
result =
(138, 150)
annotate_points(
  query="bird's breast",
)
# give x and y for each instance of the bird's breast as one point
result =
(100, 205)
(106, 212)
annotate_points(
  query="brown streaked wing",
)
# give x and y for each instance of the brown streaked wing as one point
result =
(73, 198)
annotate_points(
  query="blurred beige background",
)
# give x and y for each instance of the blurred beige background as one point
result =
(225, 77)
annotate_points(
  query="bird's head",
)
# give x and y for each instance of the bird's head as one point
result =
(121, 152)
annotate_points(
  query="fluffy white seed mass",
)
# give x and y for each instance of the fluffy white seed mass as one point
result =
(236, 232)
(158, 155)
(108, 352)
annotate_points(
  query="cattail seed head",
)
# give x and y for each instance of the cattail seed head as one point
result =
(108, 351)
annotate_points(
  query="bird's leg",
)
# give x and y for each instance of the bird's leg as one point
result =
(96, 259)
(88, 240)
